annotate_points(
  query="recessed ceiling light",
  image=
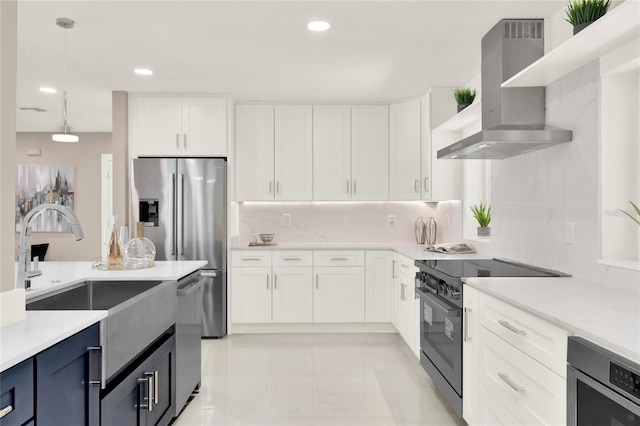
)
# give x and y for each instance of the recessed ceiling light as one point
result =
(318, 26)
(143, 71)
(48, 90)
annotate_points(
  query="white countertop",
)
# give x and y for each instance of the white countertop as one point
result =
(413, 251)
(68, 273)
(40, 330)
(607, 316)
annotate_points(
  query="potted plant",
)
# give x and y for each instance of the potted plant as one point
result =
(581, 13)
(482, 213)
(464, 97)
(635, 218)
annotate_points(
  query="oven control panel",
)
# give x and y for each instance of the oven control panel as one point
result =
(624, 379)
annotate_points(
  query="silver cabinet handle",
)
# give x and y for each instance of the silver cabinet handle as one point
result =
(511, 328)
(416, 185)
(98, 379)
(270, 186)
(6, 410)
(181, 252)
(184, 140)
(465, 334)
(354, 186)
(251, 258)
(275, 281)
(347, 187)
(404, 266)
(316, 281)
(402, 292)
(177, 140)
(155, 387)
(277, 187)
(267, 281)
(394, 272)
(148, 379)
(426, 184)
(505, 378)
(291, 258)
(339, 258)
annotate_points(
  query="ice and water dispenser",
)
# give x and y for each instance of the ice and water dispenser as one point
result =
(149, 212)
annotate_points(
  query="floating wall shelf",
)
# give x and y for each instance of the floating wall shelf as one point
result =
(614, 29)
(464, 118)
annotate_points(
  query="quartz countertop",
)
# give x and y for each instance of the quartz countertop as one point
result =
(57, 275)
(39, 331)
(413, 251)
(607, 316)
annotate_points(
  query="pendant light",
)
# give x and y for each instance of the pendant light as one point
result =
(65, 23)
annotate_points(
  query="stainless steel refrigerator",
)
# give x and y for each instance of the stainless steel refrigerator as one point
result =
(182, 203)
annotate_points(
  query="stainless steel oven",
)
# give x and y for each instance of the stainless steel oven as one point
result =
(603, 388)
(441, 344)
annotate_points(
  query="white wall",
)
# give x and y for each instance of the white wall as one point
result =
(535, 195)
(85, 156)
(346, 222)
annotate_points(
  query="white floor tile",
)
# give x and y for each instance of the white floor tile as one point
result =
(314, 380)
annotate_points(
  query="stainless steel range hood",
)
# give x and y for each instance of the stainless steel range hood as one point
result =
(513, 121)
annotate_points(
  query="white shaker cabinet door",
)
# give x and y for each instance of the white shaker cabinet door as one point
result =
(370, 152)
(331, 152)
(338, 294)
(404, 151)
(292, 294)
(251, 294)
(254, 153)
(396, 300)
(293, 152)
(204, 127)
(378, 286)
(156, 126)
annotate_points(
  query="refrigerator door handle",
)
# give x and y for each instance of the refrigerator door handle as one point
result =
(173, 222)
(181, 253)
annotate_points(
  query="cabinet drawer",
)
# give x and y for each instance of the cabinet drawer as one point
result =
(338, 258)
(292, 258)
(533, 393)
(251, 258)
(539, 339)
(406, 266)
(492, 413)
(16, 391)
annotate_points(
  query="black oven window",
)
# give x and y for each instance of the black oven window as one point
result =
(440, 332)
(595, 409)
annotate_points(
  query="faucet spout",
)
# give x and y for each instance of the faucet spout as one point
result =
(25, 272)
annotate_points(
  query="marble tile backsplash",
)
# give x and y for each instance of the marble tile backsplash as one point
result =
(347, 222)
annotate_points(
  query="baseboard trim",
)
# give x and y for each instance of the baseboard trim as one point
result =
(312, 328)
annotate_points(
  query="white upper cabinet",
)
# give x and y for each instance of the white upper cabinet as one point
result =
(178, 126)
(370, 152)
(404, 151)
(293, 152)
(331, 152)
(254, 152)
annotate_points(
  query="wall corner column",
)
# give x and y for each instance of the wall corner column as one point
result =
(120, 145)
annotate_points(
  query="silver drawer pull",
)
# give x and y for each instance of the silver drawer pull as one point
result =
(339, 258)
(291, 258)
(511, 328)
(465, 333)
(251, 258)
(505, 378)
(6, 410)
(404, 266)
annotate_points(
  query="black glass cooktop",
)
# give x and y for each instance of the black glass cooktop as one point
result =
(484, 268)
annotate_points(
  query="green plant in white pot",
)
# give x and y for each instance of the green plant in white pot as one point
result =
(581, 13)
(636, 217)
(482, 213)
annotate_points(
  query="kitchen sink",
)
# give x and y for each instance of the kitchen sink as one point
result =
(138, 313)
(92, 295)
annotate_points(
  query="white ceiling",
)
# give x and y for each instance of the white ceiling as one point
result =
(253, 50)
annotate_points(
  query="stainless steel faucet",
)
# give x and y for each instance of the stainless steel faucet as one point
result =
(25, 271)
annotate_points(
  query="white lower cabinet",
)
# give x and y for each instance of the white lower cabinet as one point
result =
(408, 304)
(292, 294)
(511, 362)
(338, 294)
(251, 294)
(378, 277)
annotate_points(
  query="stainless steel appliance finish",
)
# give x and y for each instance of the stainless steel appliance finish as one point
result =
(182, 202)
(439, 285)
(513, 119)
(188, 335)
(603, 388)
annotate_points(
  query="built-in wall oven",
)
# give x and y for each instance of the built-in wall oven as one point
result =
(439, 286)
(603, 388)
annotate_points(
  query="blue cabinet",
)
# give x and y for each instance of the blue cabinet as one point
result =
(16, 394)
(68, 381)
(146, 395)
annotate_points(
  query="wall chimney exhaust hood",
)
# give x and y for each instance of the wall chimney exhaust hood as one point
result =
(513, 121)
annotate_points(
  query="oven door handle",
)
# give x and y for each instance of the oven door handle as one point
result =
(447, 311)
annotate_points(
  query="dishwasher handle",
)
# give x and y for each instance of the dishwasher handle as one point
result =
(209, 274)
(188, 289)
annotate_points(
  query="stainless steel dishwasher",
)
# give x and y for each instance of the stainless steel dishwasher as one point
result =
(188, 337)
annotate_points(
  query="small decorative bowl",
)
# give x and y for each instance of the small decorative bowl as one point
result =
(266, 238)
